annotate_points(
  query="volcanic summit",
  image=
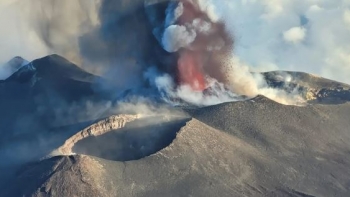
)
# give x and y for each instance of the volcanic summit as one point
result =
(157, 102)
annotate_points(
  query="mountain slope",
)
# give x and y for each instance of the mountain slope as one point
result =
(12, 66)
(41, 94)
(43, 103)
(250, 148)
(254, 148)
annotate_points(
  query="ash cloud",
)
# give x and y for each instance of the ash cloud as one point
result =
(122, 40)
(205, 46)
(33, 29)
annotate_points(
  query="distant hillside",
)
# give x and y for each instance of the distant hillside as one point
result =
(314, 89)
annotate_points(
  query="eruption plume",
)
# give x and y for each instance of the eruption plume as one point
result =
(181, 49)
(206, 70)
(190, 71)
(197, 37)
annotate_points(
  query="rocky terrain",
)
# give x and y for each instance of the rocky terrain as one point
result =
(99, 128)
(314, 89)
(149, 125)
(253, 147)
(250, 148)
(32, 124)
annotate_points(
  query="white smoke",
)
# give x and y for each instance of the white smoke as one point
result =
(176, 37)
(295, 35)
(238, 75)
(173, 12)
(218, 94)
(243, 81)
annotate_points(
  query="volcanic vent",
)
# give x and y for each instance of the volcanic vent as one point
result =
(124, 137)
(197, 38)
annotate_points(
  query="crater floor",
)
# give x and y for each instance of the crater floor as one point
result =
(136, 140)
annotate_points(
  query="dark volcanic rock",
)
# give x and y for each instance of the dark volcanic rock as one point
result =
(40, 93)
(137, 140)
(46, 83)
(255, 147)
(43, 103)
(85, 172)
(251, 148)
(12, 66)
(56, 74)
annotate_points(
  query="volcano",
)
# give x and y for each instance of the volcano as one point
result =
(37, 88)
(250, 148)
(188, 32)
(41, 100)
(174, 115)
(253, 147)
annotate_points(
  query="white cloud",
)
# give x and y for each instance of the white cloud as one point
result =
(346, 17)
(294, 35)
(264, 30)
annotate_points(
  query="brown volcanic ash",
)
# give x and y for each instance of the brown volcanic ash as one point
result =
(202, 57)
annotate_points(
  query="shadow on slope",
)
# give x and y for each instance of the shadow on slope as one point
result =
(138, 139)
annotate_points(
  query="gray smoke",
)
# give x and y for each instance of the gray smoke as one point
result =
(38, 27)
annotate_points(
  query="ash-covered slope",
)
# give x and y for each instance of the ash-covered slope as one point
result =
(41, 106)
(250, 148)
(52, 73)
(43, 99)
(36, 89)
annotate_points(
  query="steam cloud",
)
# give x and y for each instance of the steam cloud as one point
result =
(209, 48)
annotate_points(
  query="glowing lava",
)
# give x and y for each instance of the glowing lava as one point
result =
(201, 58)
(190, 67)
(190, 70)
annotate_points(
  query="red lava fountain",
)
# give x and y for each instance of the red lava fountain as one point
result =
(190, 70)
(198, 60)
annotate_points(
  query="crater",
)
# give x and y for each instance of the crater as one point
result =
(138, 139)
